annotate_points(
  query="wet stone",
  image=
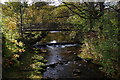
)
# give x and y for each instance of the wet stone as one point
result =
(75, 74)
(80, 65)
(76, 71)
(75, 53)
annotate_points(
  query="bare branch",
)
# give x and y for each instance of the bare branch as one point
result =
(74, 11)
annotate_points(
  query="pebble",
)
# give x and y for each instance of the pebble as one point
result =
(59, 59)
(48, 67)
(69, 62)
(79, 64)
(76, 70)
(74, 53)
(74, 62)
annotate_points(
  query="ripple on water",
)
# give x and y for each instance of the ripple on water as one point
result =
(70, 68)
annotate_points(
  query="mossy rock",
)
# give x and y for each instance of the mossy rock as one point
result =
(88, 59)
(37, 57)
(45, 61)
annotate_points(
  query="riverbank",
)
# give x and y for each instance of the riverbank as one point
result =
(25, 70)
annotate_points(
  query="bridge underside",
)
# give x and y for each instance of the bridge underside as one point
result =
(31, 30)
(49, 27)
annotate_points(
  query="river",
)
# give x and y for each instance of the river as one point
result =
(63, 60)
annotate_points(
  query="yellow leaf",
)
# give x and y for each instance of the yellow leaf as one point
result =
(12, 25)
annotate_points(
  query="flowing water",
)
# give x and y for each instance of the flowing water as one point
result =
(63, 62)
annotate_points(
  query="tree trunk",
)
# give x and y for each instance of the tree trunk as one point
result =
(21, 22)
(118, 16)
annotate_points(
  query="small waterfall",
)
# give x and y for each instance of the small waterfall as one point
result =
(54, 31)
(55, 52)
(60, 46)
(54, 41)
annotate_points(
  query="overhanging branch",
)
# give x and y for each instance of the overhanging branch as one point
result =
(74, 11)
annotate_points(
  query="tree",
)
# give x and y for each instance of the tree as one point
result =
(90, 10)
